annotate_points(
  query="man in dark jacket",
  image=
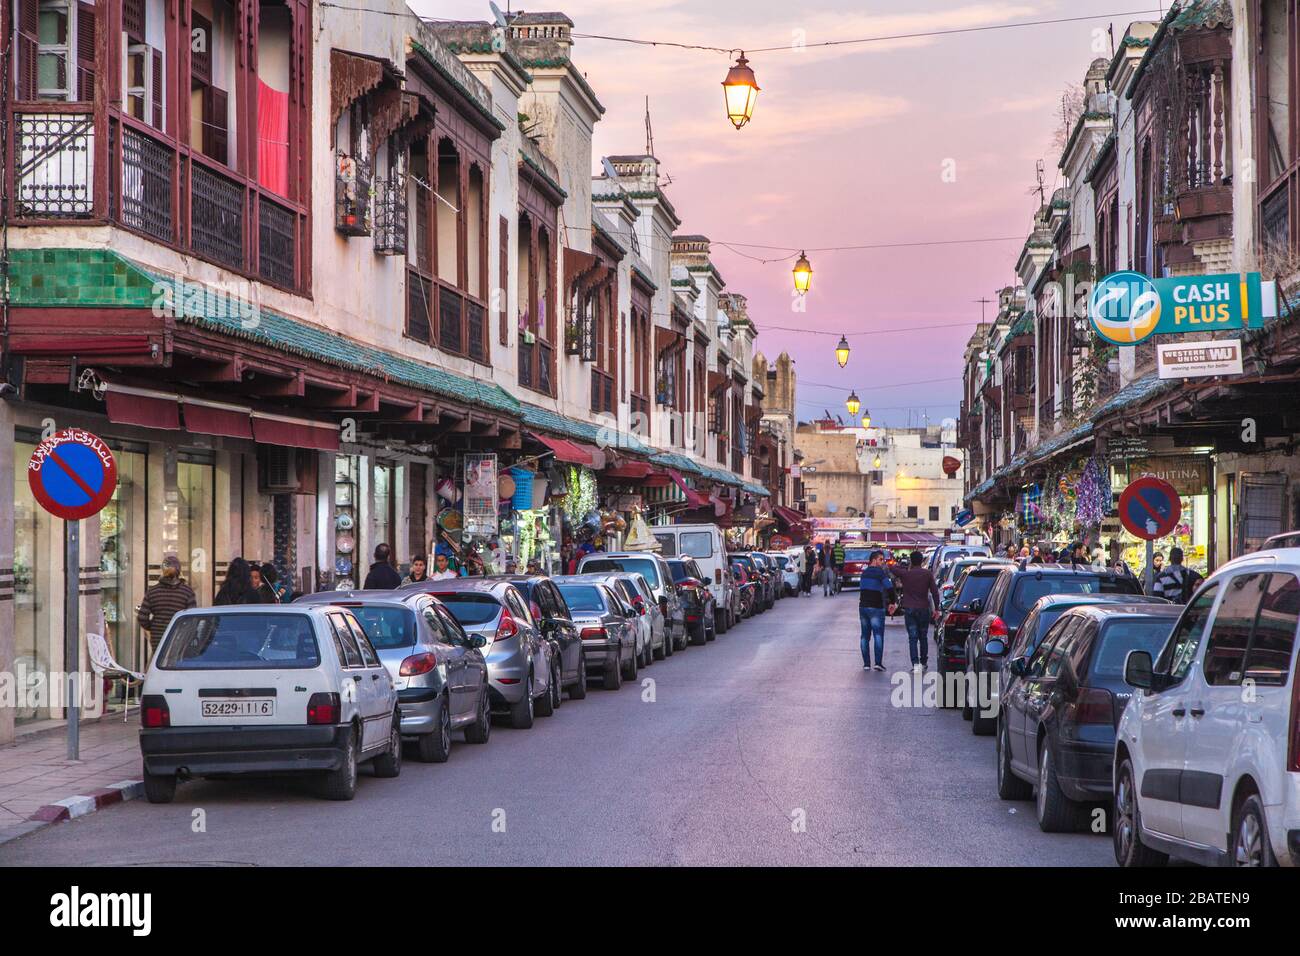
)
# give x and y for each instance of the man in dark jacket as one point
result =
(876, 596)
(383, 576)
(162, 601)
(918, 587)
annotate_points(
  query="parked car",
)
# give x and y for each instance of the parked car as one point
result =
(764, 588)
(1014, 593)
(1207, 753)
(608, 633)
(771, 572)
(954, 627)
(654, 569)
(789, 572)
(546, 604)
(639, 604)
(748, 587)
(704, 543)
(523, 671)
(1056, 726)
(260, 689)
(949, 576)
(439, 671)
(697, 599)
(944, 553)
(856, 557)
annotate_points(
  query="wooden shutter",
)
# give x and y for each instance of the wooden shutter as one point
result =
(422, 261)
(157, 66)
(215, 123)
(29, 48)
(86, 24)
(201, 60)
(133, 20)
(503, 280)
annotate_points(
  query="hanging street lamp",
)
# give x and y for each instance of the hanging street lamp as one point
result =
(802, 274)
(852, 404)
(741, 91)
(842, 351)
(866, 419)
(876, 464)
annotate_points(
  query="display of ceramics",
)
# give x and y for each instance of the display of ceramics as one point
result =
(345, 584)
(343, 565)
(343, 522)
(450, 519)
(505, 486)
(344, 544)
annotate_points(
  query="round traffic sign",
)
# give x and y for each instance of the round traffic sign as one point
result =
(1149, 507)
(72, 474)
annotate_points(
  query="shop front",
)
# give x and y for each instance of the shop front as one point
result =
(1192, 476)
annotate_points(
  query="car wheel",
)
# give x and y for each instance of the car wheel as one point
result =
(1250, 843)
(557, 685)
(159, 787)
(479, 731)
(630, 667)
(698, 635)
(661, 651)
(981, 726)
(1126, 825)
(389, 763)
(341, 783)
(521, 713)
(668, 641)
(436, 747)
(1010, 787)
(614, 675)
(967, 711)
(1057, 813)
(721, 623)
(579, 690)
(711, 634)
(546, 703)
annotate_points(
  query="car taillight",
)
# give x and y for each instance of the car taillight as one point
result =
(1293, 748)
(593, 634)
(418, 664)
(323, 708)
(507, 628)
(1094, 706)
(957, 617)
(154, 711)
(997, 627)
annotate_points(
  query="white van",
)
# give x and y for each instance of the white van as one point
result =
(704, 543)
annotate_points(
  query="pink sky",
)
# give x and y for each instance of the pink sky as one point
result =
(847, 147)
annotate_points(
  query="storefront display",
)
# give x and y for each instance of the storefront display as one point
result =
(347, 474)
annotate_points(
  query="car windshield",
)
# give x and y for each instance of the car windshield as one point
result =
(1031, 587)
(240, 642)
(743, 560)
(1128, 634)
(582, 597)
(643, 566)
(387, 627)
(975, 587)
(697, 544)
(782, 562)
(857, 554)
(470, 608)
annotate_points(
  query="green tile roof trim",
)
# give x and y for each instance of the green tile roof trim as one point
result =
(1084, 118)
(599, 433)
(446, 74)
(536, 167)
(485, 48)
(645, 276)
(1023, 325)
(1203, 13)
(91, 278)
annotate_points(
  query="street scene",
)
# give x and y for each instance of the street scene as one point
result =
(675, 437)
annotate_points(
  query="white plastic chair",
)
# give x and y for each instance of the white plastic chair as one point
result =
(104, 665)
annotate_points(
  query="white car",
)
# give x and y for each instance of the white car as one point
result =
(790, 573)
(267, 689)
(1207, 752)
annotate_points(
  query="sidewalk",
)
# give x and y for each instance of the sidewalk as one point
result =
(39, 786)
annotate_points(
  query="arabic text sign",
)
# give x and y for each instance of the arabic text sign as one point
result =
(1199, 359)
(72, 474)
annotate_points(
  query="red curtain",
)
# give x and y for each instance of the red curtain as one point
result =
(273, 139)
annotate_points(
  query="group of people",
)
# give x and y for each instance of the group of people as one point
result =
(1173, 581)
(821, 566)
(882, 591)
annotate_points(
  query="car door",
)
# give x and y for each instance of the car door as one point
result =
(473, 660)
(566, 633)
(1164, 726)
(451, 654)
(1016, 703)
(371, 697)
(1041, 687)
(1221, 711)
(532, 639)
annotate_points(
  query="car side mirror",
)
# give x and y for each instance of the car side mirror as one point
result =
(995, 648)
(476, 641)
(1138, 670)
(1019, 667)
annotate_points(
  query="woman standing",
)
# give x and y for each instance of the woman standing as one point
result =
(238, 582)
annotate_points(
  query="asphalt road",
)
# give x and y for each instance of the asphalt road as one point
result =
(770, 746)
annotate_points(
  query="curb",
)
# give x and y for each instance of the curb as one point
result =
(73, 807)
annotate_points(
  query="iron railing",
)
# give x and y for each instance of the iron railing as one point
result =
(276, 249)
(145, 197)
(602, 391)
(54, 174)
(545, 352)
(390, 216)
(449, 320)
(526, 363)
(216, 216)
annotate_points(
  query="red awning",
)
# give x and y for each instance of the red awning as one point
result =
(789, 516)
(207, 420)
(295, 433)
(565, 450)
(81, 346)
(147, 411)
(666, 339)
(693, 497)
(629, 471)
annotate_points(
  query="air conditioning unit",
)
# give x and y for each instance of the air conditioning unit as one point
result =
(280, 469)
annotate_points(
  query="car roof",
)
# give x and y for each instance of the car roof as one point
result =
(386, 596)
(1059, 570)
(294, 608)
(1074, 600)
(624, 554)
(477, 583)
(1103, 611)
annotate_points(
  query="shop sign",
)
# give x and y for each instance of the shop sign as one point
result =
(1127, 447)
(72, 474)
(1188, 474)
(859, 523)
(1128, 307)
(1199, 359)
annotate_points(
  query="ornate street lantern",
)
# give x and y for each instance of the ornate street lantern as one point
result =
(802, 274)
(866, 419)
(876, 464)
(741, 91)
(842, 351)
(852, 404)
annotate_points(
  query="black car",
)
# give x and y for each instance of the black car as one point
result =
(758, 577)
(999, 616)
(1056, 727)
(554, 619)
(697, 600)
(954, 626)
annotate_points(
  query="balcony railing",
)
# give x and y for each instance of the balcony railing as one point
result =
(144, 197)
(602, 391)
(275, 242)
(55, 174)
(450, 306)
(390, 216)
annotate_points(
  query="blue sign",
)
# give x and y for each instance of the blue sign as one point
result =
(964, 517)
(72, 474)
(1150, 508)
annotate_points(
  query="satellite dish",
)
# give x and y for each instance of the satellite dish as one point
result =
(606, 165)
(832, 507)
(500, 17)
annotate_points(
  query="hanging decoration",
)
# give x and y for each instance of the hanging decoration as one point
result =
(581, 499)
(1092, 494)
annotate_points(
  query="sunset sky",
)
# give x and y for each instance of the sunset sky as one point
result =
(848, 146)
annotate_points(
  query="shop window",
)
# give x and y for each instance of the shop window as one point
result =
(934, 513)
(911, 511)
(38, 590)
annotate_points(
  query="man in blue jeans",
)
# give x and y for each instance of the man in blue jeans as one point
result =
(876, 597)
(918, 588)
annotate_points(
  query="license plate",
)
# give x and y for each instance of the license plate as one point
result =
(252, 707)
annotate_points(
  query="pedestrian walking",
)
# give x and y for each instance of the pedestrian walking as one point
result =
(162, 601)
(1157, 566)
(261, 591)
(919, 597)
(382, 575)
(419, 572)
(809, 569)
(828, 578)
(238, 582)
(876, 597)
(442, 570)
(1177, 583)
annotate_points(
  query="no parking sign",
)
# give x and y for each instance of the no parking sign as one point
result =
(72, 474)
(1150, 508)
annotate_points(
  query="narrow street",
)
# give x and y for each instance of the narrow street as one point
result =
(774, 717)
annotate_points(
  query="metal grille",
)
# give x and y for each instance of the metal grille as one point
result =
(216, 217)
(146, 197)
(1274, 227)
(1262, 511)
(449, 320)
(526, 364)
(544, 352)
(276, 257)
(419, 306)
(476, 331)
(390, 216)
(55, 174)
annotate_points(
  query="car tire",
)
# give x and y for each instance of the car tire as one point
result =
(711, 630)
(1010, 787)
(1250, 842)
(1126, 823)
(982, 726)
(479, 731)
(545, 705)
(614, 675)
(699, 637)
(967, 711)
(720, 622)
(669, 649)
(630, 667)
(661, 651)
(1056, 812)
(521, 713)
(159, 787)
(341, 783)
(436, 747)
(579, 689)
(389, 763)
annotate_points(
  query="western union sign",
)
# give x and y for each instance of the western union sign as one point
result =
(1199, 359)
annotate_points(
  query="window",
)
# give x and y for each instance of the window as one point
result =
(1230, 633)
(1268, 661)
(240, 642)
(435, 624)
(934, 512)
(697, 544)
(344, 642)
(911, 511)
(1132, 634)
(1278, 128)
(1063, 646)
(387, 627)
(455, 633)
(1180, 651)
(448, 201)
(583, 597)
(368, 656)
(54, 75)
